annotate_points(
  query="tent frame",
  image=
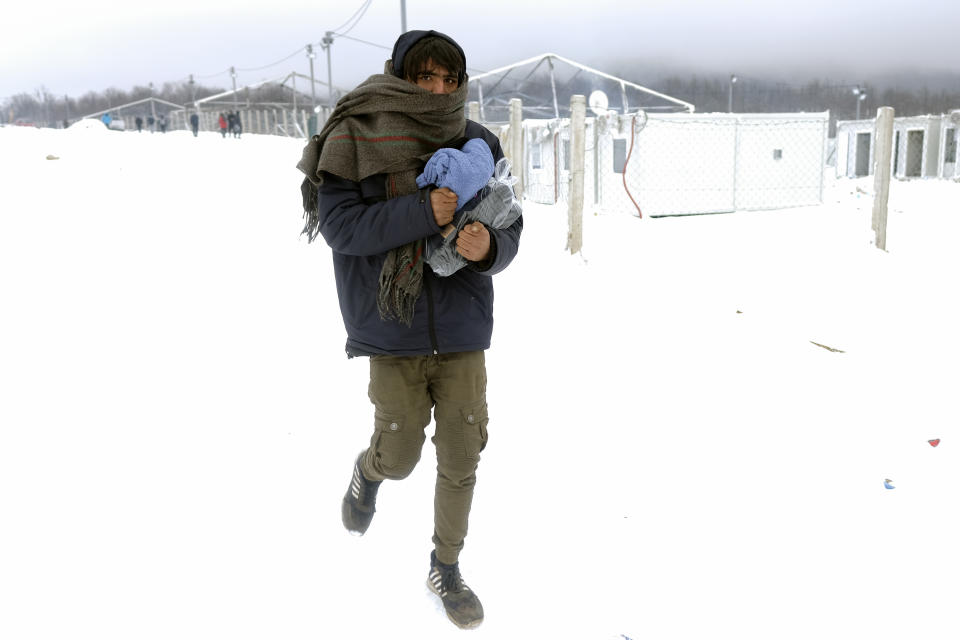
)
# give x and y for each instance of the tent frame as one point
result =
(503, 72)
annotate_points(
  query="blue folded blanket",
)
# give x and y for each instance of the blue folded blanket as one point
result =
(464, 171)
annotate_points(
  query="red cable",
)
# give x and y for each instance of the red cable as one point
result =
(633, 123)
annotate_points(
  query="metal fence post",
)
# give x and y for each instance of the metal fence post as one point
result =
(578, 134)
(596, 162)
(736, 161)
(883, 136)
(515, 154)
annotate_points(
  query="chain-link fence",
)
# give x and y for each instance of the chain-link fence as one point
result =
(543, 161)
(298, 123)
(675, 164)
(280, 121)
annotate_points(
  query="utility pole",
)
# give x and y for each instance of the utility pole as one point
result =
(153, 106)
(193, 98)
(66, 103)
(733, 81)
(327, 41)
(233, 74)
(403, 16)
(293, 85)
(313, 87)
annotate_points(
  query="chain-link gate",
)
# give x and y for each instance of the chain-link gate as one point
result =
(542, 179)
(674, 164)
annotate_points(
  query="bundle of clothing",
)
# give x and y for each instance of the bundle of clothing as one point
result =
(467, 172)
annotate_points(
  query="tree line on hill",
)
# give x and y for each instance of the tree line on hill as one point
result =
(709, 94)
(759, 96)
(43, 108)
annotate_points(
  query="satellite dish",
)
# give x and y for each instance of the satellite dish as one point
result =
(598, 103)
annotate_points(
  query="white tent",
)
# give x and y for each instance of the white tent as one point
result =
(546, 82)
(120, 114)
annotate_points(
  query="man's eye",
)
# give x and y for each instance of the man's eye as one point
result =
(424, 76)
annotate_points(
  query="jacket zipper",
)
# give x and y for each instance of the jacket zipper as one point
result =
(432, 329)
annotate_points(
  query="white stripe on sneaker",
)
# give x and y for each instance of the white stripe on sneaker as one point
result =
(355, 485)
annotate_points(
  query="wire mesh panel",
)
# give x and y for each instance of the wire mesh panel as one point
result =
(665, 166)
(676, 164)
(548, 161)
(591, 165)
(779, 162)
(561, 154)
(542, 179)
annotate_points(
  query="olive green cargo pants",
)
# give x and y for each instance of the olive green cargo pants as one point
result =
(403, 390)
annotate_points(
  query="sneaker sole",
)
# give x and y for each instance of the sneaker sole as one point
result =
(468, 625)
(345, 517)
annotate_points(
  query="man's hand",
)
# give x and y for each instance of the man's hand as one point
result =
(444, 204)
(473, 242)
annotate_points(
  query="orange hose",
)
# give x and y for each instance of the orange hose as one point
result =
(633, 124)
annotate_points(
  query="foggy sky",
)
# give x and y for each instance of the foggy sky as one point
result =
(69, 48)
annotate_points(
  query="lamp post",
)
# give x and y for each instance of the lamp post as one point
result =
(861, 96)
(733, 81)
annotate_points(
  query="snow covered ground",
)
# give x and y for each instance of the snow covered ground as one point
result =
(671, 455)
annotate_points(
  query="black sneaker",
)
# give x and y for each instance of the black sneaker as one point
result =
(359, 504)
(461, 604)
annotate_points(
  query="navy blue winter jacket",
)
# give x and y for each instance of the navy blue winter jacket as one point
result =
(361, 225)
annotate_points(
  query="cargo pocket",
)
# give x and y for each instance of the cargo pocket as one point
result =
(474, 428)
(397, 442)
(388, 439)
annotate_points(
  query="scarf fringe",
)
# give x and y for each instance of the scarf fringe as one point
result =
(311, 214)
(401, 281)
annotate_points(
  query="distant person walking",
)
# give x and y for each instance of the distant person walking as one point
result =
(162, 122)
(195, 124)
(223, 125)
(106, 119)
(237, 128)
(150, 123)
(139, 122)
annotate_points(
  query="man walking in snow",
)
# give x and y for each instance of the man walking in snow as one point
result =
(425, 335)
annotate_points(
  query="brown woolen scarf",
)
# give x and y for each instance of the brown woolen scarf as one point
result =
(391, 126)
